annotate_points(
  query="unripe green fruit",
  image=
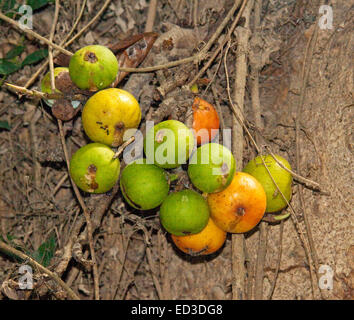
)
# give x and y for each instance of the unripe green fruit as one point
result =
(184, 212)
(168, 144)
(283, 179)
(143, 185)
(93, 67)
(46, 86)
(93, 168)
(211, 168)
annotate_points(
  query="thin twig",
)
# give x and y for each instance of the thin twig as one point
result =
(217, 102)
(34, 34)
(50, 51)
(201, 55)
(63, 44)
(151, 16)
(305, 76)
(239, 116)
(60, 183)
(88, 25)
(78, 195)
(85, 211)
(38, 94)
(151, 264)
(238, 241)
(223, 43)
(123, 146)
(5, 247)
(256, 110)
(307, 182)
(196, 58)
(281, 232)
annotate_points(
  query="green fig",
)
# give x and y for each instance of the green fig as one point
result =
(93, 168)
(256, 168)
(211, 168)
(168, 144)
(143, 185)
(184, 212)
(93, 67)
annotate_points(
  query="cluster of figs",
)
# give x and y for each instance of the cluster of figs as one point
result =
(198, 218)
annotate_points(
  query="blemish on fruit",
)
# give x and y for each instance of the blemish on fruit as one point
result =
(240, 211)
(275, 194)
(118, 134)
(90, 177)
(196, 253)
(90, 57)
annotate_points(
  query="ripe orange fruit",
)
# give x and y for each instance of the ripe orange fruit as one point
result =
(205, 118)
(240, 206)
(207, 241)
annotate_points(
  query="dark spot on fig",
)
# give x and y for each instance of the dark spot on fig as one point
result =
(186, 233)
(196, 253)
(90, 57)
(92, 168)
(91, 83)
(119, 125)
(118, 134)
(94, 185)
(240, 211)
(90, 178)
(275, 194)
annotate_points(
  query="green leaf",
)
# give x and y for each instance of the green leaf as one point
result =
(35, 57)
(7, 67)
(45, 252)
(4, 125)
(37, 4)
(7, 5)
(15, 52)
